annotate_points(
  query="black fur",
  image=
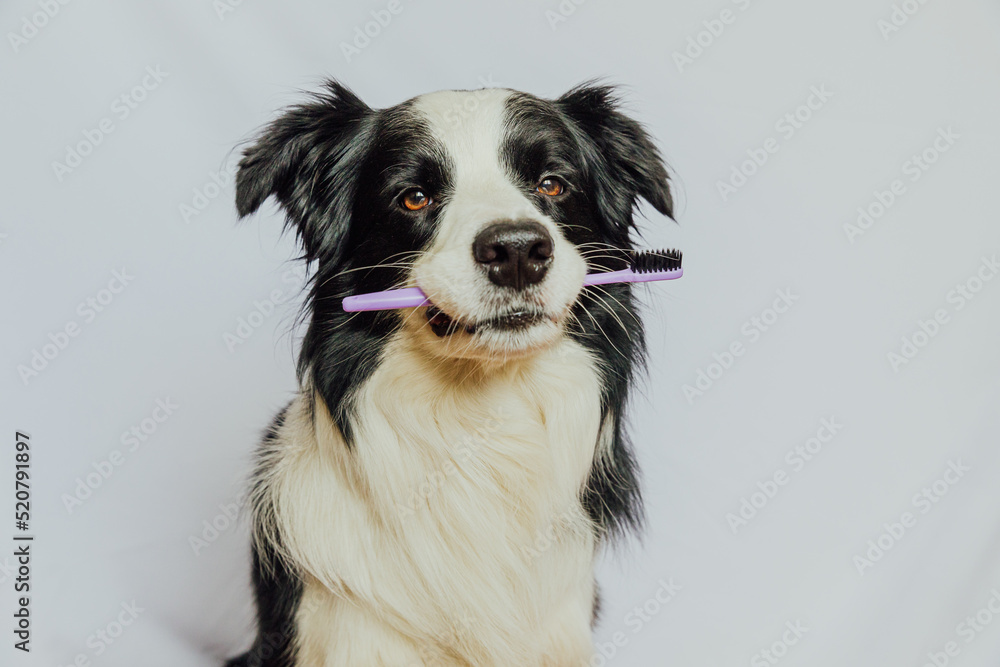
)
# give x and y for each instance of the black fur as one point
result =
(330, 163)
(336, 166)
(277, 591)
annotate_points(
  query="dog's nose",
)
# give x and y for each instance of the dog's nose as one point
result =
(514, 253)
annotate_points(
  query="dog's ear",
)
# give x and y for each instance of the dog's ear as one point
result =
(625, 163)
(307, 158)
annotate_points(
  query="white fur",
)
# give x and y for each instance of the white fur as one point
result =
(492, 565)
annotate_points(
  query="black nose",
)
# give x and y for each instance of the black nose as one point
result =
(514, 254)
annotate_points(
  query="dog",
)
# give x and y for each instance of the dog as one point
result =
(437, 491)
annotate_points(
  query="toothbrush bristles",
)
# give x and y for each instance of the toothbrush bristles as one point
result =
(649, 261)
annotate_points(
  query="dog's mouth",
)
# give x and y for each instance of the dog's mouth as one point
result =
(443, 324)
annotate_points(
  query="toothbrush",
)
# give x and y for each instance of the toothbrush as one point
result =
(645, 266)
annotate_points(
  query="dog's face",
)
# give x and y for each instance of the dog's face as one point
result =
(501, 271)
(495, 203)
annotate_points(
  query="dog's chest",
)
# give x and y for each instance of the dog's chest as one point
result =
(518, 441)
(470, 519)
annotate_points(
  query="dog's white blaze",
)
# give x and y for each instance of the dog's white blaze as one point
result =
(484, 192)
(452, 533)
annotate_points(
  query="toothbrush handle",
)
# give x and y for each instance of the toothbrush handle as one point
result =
(408, 297)
(630, 276)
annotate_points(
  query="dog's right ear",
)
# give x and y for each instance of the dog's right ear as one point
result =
(623, 157)
(308, 158)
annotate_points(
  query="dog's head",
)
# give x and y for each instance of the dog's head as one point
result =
(494, 202)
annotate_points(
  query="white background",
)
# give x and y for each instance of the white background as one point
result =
(163, 335)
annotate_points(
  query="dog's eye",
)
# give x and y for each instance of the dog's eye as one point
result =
(414, 200)
(551, 186)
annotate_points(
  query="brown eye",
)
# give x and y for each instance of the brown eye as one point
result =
(415, 199)
(551, 186)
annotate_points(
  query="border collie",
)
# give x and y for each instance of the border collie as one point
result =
(437, 491)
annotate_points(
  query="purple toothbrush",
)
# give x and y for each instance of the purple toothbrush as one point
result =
(645, 266)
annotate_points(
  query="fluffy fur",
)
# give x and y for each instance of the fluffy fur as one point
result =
(435, 496)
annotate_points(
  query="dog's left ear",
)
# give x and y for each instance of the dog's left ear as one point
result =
(627, 164)
(307, 159)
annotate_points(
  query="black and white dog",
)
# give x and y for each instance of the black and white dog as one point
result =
(438, 490)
